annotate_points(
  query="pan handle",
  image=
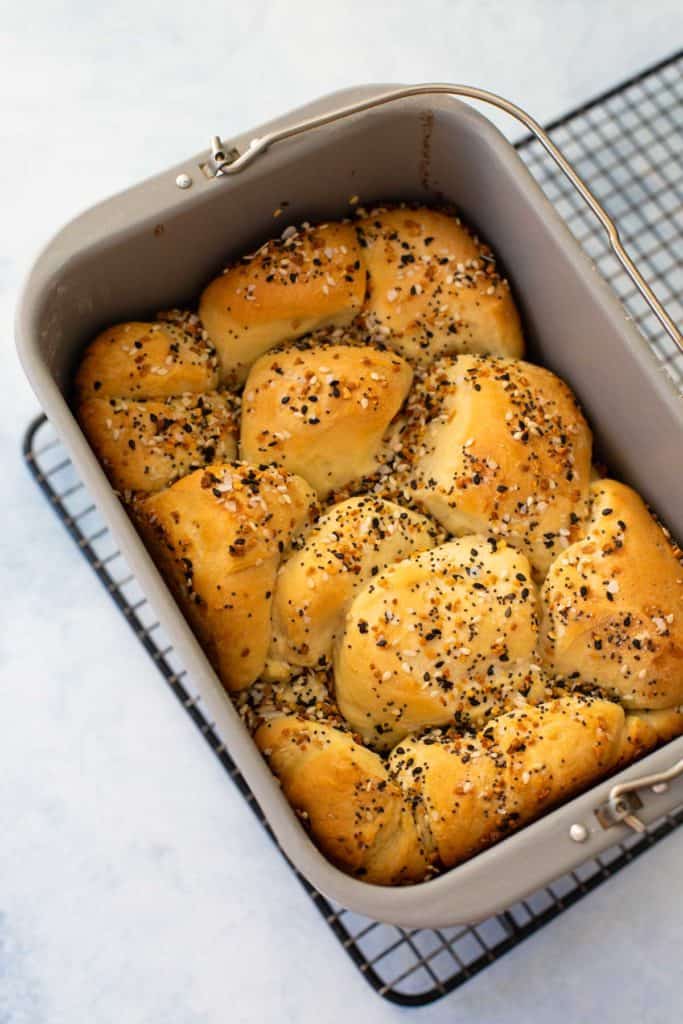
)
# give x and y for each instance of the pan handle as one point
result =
(622, 801)
(232, 162)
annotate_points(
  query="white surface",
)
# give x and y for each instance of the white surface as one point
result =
(135, 885)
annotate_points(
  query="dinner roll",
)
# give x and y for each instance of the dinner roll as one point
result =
(498, 446)
(614, 604)
(147, 360)
(348, 545)
(146, 445)
(441, 637)
(433, 287)
(342, 791)
(322, 410)
(645, 730)
(474, 790)
(306, 279)
(218, 535)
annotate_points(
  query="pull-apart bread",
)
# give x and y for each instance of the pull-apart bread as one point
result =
(301, 282)
(148, 402)
(444, 636)
(322, 411)
(613, 604)
(497, 446)
(348, 546)
(433, 288)
(385, 530)
(219, 534)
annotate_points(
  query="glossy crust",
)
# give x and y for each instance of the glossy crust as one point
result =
(498, 446)
(307, 279)
(322, 410)
(614, 604)
(356, 813)
(147, 445)
(348, 546)
(147, 360)
(218, 535)
(472, 791)
(433, 287)
(441, 637)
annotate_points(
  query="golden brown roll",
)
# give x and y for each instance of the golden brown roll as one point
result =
(645, 730)
(433, 287)
(614, 604)
(346, 547)
(307, 279)
(474, 790)
(441, 637)
(146, 445)
(218, 535)
(147, 360)
(498, 446)
(356, 813)
(322, 410)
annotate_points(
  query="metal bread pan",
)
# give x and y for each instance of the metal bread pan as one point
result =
(157, 244)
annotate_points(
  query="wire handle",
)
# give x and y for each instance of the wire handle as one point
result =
(657, 779)
(234, 162)
(622, 800)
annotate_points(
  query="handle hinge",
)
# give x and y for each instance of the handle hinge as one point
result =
(623, 801)
(220, 158)
(614, 811)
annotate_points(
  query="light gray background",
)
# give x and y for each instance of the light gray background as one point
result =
(135, 886)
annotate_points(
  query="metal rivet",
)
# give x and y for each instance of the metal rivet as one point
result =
(660, 787)
(183, 181)
(579, 833)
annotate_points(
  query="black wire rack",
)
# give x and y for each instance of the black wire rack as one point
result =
(628, 146)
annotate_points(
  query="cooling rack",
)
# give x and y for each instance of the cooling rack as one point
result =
(628, 146)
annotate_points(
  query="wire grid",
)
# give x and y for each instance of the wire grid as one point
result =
(628, 147)
(625, 146)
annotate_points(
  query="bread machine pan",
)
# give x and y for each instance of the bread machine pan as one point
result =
(155, 246)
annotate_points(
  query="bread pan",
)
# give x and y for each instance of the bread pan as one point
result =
(156, 245)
